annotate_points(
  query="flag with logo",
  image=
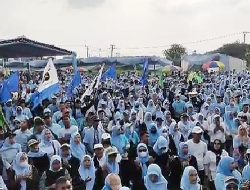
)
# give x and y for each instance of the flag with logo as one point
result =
(48, 86)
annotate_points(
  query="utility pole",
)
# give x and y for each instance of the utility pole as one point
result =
(244, 36)
(112, 47)
(100, 52)
(87, 51)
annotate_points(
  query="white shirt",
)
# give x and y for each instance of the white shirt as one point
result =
(49, 149)
(219, 134)
(67, 132)
(198, 150)
(210, 160)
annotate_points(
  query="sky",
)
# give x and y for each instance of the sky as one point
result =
(135, 27)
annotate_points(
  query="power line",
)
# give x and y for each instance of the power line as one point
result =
(187, 43)
(113, 47)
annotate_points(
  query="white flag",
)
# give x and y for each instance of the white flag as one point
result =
(99, 76)
(93, 85)
(49, 76)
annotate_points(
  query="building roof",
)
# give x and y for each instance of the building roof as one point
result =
(24, 47)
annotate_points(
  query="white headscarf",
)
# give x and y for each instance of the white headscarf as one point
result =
(22, 168)
(55, 158)
(87, 173)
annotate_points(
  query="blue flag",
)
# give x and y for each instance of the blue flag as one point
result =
(144, 80)
(76, 81)
(9, 86)
(111, 73)
(48, 86)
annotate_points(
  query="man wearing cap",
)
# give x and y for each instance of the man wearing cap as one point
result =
(198, 149)
(38, 158)
(99, 156)
(37, 129)
(93, 134)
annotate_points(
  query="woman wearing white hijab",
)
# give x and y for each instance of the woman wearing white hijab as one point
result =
(87, 172)
(148, 119)
(55, 171)
(48, 145)
(190, 179)
(151, 107)
(76, 146)
(154, 178)
(26, 175)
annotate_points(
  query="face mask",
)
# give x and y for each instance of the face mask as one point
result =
(143, 154)
(23, 164)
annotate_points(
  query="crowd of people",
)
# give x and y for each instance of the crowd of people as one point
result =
(168, 135)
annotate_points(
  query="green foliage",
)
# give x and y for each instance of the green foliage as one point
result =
(174, 53)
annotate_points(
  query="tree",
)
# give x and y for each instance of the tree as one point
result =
(174, 53)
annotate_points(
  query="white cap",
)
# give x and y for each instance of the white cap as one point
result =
(46, 110)
(197, 130)
(98, 146)
(248, 151)
(106, 136)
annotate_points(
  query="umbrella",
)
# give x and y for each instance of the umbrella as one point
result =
(213, 64)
